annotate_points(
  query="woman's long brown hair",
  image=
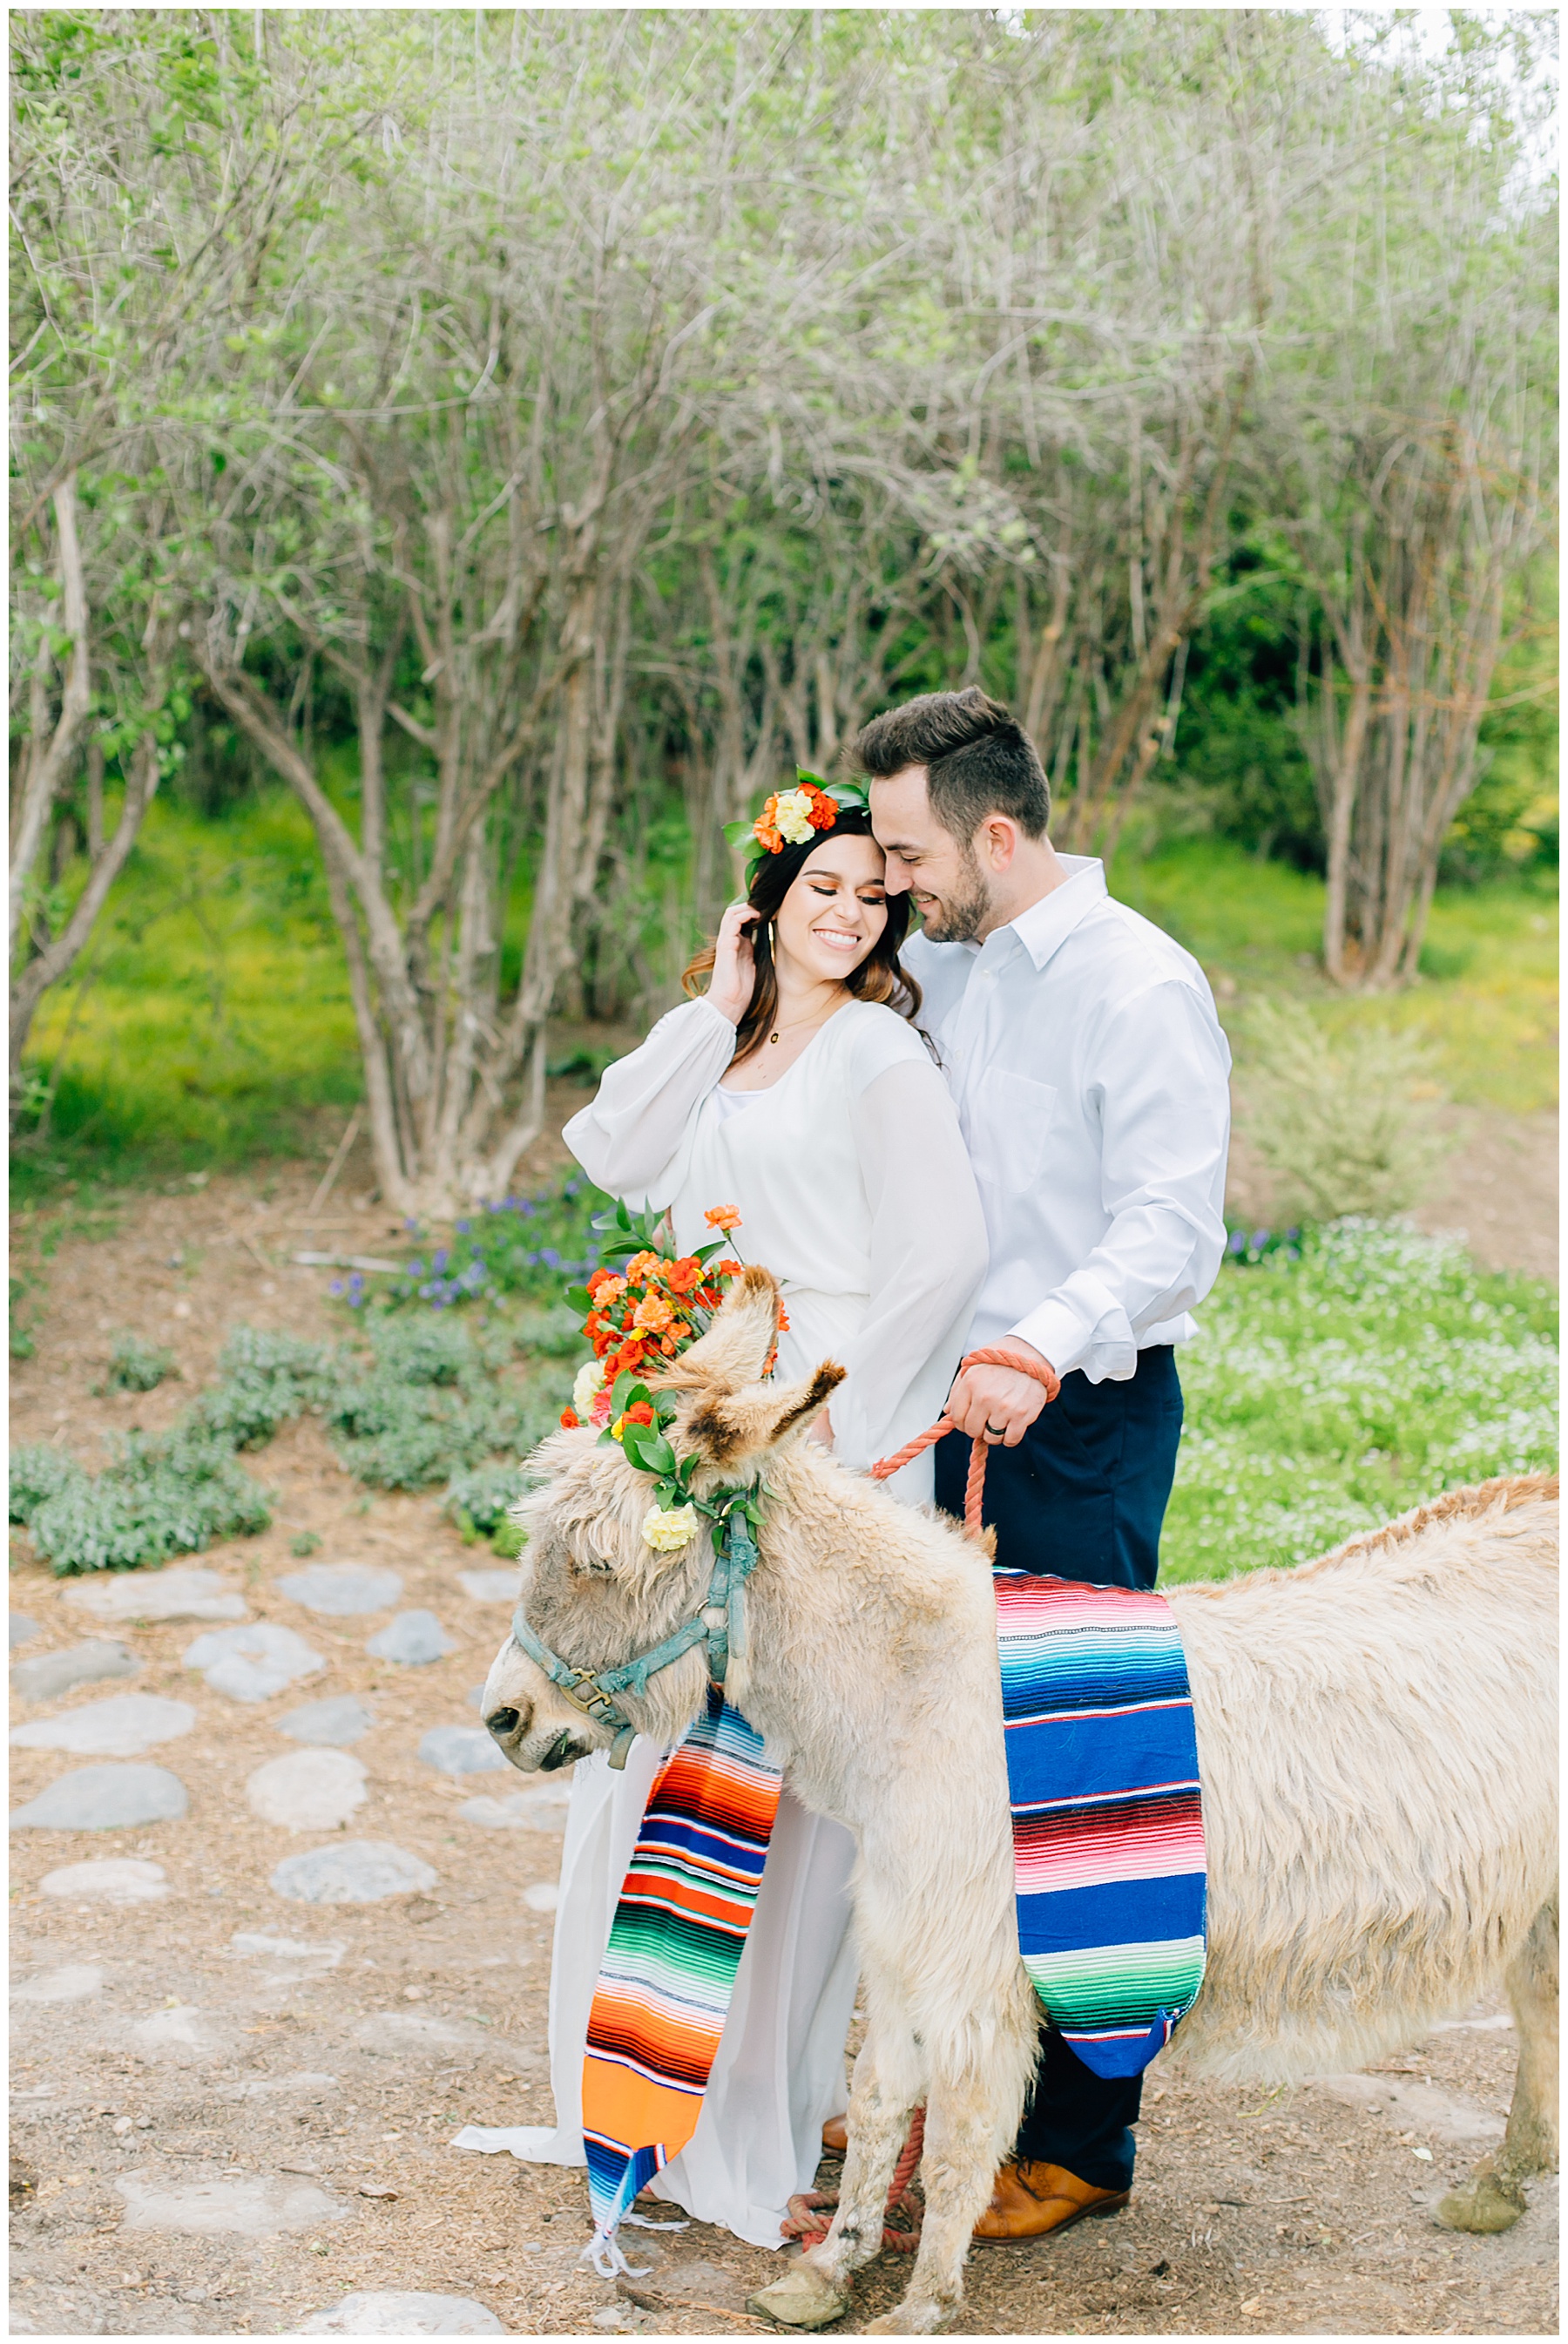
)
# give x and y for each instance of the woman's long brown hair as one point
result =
(880, 976)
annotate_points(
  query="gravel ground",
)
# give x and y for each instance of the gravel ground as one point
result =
(231, 2109)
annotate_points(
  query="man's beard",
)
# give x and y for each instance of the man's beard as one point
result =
(958, 918)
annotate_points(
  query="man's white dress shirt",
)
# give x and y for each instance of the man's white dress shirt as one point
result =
(1092, 1079)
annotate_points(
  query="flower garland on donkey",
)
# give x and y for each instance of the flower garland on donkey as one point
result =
(639, 1316)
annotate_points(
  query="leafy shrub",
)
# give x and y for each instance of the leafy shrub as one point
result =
(38, 1473)
(138, 1367)
(305, 1542)
(1337, 1122)
(426, 1406)
(266, 1380)
(477, 1502)
(158, 1499)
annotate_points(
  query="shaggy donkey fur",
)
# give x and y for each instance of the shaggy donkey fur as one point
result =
(1377, 1733)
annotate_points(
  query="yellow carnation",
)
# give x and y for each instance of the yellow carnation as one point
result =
(667, 1531)
(589, 1381)
(792, 817)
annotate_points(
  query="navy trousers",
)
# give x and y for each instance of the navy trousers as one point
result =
(1083, 1496)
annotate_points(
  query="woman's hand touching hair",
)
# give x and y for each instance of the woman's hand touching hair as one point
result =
(734, 963)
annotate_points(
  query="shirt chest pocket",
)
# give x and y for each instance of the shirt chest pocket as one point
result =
(1009, 1121)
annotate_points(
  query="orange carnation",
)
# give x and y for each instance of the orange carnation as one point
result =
(641, 1268)
(723, 1217)
(570, 1419)
(683, 1275)
(824, 812)
(654, 1313)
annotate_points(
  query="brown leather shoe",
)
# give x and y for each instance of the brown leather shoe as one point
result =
(836, 2136)
(1030, 2197)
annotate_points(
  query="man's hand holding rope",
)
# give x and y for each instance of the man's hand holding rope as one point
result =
(997, 1405)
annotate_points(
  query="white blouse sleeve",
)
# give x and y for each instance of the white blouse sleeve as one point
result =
(929, 1256)
(631, 1140)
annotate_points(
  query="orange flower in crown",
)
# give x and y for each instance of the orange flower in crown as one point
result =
(793, 817)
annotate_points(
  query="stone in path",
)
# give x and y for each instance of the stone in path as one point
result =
(543, 1896)
(341, 1588)
(267, 2087)
(74, 1982)
(356, 1872)
(490, 1586)
(21, 1629)
(253, 1663)
(210, 2210)
(541, 1811)
(158, 1595)
(403, 2034)
(121, 1727)
(112, 1879)
(184, 2034)
(49, 1675)
(256, 1944)
(413, 1638)
(309, 1790)
(342, 1719)
(105, 1798)
(461, 1750)
(378, 2314)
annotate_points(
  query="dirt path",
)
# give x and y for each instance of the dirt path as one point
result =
(234, 2110)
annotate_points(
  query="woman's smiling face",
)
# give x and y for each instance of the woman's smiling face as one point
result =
(835, 911)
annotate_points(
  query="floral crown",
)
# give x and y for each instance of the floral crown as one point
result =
(792, 817)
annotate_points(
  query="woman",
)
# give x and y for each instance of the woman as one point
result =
(796, 1089)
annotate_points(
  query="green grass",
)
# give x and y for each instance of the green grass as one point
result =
(1489, 1005)
(1329, 1393)
(208, 1021)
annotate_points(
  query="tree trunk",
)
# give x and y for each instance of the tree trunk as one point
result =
(48, 762)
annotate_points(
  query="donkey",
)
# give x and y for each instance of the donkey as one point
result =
(1376, 1733)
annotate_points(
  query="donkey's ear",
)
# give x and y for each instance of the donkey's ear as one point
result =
(732, 1351)
(727, 1428)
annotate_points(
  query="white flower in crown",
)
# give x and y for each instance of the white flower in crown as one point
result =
(792, 816)
(666, 1532)
(589, 1381)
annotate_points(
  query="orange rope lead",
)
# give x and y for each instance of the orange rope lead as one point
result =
(974, 1491)
(807, 2209)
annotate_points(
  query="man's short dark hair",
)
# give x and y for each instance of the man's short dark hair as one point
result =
(978, 759)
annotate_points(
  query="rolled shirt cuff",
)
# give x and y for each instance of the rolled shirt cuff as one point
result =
(1058, 1330)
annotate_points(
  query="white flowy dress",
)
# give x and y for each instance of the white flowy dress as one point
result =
(855, 1191)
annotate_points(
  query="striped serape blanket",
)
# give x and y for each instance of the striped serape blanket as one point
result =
(668, 1970)
(1106, 1814)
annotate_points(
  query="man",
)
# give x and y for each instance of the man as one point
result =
(1091, 1075)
